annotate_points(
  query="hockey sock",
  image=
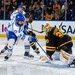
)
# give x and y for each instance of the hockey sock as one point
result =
(33, 45)
(6, 47)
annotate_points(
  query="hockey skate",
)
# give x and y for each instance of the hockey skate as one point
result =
(8, 55)
(3, 50)
(71, 61)
(28, 55)
(37, 51)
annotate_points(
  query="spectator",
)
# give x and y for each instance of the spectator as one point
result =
(56, 5)
(2, 13)
(31, 11)
(45, 10)
(2, 3)
(8, 9)
(71, 9)
(37, 11)
(14, 5)
(24, 7)
(50, 7)
(64, 9)
(48, 17)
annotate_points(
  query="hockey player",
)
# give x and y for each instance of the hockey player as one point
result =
(12, 17)
(57, 40)
(16, 31)
(19, 10)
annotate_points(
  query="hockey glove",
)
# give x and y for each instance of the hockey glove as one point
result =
(25, 32)
(26, 27)
(32, 39)
(31, 33)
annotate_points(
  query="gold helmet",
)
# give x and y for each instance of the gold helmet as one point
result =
(47, 26)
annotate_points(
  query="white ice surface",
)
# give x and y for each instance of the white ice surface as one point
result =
(17, 65)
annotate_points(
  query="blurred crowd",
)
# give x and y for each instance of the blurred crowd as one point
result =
(40, 9)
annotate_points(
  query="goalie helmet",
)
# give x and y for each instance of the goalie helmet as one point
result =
(47, 26)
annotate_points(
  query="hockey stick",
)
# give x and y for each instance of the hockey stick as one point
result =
(42, 30)
(36, 30)
(31, 26)
(60, 25)
(44, 52)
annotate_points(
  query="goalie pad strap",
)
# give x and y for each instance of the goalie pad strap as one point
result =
(64, 54)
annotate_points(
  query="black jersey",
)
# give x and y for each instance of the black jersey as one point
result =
(50, 40)
(56, 38)
(65, 40)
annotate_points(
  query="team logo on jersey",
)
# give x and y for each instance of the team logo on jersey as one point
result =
(47, 41)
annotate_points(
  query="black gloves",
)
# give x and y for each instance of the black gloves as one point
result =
(31, 33)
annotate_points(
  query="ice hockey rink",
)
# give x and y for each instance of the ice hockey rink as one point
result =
(17, 65)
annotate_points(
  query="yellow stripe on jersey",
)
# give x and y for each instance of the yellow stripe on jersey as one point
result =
(50, 48)
(65, 43)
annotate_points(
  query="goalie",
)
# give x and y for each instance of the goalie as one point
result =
(56, 40)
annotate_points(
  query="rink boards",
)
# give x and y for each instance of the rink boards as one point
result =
(68, 27)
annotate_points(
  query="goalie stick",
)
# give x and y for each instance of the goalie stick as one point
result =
(31, 26)
(45, 53)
